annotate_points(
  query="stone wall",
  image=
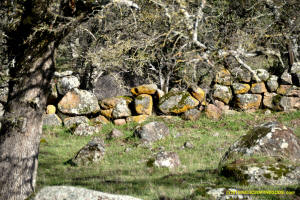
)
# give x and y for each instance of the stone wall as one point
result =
(231, 90)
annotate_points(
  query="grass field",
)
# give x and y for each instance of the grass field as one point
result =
(126, 172)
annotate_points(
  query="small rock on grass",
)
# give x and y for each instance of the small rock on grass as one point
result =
(115, 133)
(119, 122)
(167, 159)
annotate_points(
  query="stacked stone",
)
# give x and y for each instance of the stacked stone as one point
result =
(240, 90)
(236, 88)
(189, 103)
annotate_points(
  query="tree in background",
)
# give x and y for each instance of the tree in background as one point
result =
(175, 43)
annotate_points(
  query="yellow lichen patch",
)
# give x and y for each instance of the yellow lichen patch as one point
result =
(199, 94)
(107, 113)
(283, 89)
(137, 119)
(223, 77)
(51, 109)
(144, 89)
(243, 89)
(144, 104)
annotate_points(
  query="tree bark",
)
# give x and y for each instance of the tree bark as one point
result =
(22, 127)
(34, 29)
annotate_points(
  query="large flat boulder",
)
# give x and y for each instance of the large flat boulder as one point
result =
(268, 154)
(76, 193)
(271, 139)
(79, 102)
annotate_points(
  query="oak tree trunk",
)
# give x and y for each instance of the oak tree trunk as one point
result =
(22, 126)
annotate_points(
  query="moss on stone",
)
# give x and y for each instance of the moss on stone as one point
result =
(233, 171)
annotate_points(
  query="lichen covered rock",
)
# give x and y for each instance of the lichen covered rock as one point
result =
(119, 122)
(76, 193)
(177, 102)
(92, 152)
(258, 88)
(121, 110)
(283, 89)
(107, 113)
(223, 77)
(152, 131)
(167, 159)
(99, 120)
(143, 104)
(293, 92)
(262, 74)
(144, 89)
(67, 83)
(240, 88)
(111, 102)
(108, 103)
(115, 133)
(270, 139)
(213, 112)
(222, 93)
(272, 83)
(137, 119)
(79, 102)
(192, 114)
(289, 103)
(73, 122)
(85, 129)
(197, 93)
(269, 101)
(248, 101)
(107, 86)
(242, 75)
(286, 78)
(253, 172)
(253, 159)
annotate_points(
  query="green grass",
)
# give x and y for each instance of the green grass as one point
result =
(127, 173)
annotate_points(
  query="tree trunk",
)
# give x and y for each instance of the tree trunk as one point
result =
(22, 125)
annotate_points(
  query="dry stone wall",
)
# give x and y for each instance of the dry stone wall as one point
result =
(231, 90)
